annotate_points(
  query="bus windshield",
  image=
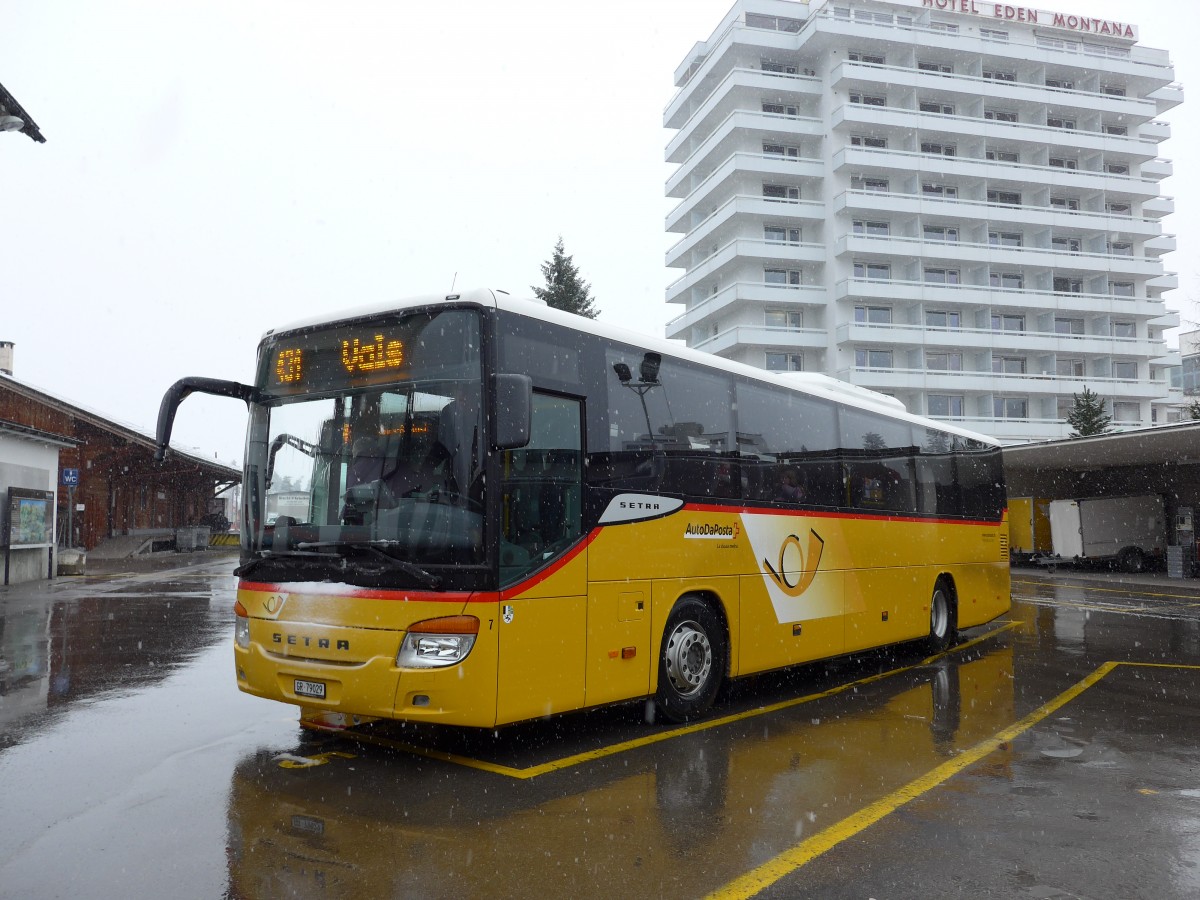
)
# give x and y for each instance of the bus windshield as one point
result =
(366, 454)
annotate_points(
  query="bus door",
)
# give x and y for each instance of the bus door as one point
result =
(543, 572)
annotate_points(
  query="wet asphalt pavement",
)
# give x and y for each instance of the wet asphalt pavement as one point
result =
(1051, 754)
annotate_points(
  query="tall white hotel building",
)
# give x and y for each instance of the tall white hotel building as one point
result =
(955, 202)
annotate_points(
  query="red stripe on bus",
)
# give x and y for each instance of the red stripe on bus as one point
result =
(378, 594)
(433, 596)
(833, 514)
(509, 593)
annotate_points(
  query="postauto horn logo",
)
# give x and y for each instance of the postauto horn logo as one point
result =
(809, 560)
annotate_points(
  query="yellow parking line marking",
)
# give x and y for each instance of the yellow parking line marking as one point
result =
(567, 762)
(789, 861)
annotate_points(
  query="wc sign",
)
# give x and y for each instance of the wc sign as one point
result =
(70, 477)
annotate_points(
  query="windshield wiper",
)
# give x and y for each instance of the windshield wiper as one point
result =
(428, 579)
(274, 556)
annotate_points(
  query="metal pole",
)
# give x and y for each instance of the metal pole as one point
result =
(70, 515)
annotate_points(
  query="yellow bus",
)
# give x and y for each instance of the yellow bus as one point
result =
(515, 512)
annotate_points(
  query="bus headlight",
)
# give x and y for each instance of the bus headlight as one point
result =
(438, 642)
(241, 625)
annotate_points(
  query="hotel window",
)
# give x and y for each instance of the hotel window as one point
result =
(780, 150)
(993, 75)
(1124, 329)
(1007, 322)
(781, 192)
(940, 232)
(779, 234)
(942, 318)
(1059, 122)
(862, 140)
(939, 149)
(873, 359)
(1066, 244)
(1124, 368)
(1060, 83)
(1008, 365)
(1113, 90)
(874, 185)
(941, 276)
(1116, 168)
(1057, 44)
(773, 23)
(944, 405)
(1012, 281)
(1067, 203)
(1119, 130)
(784, 362)
(945, 27)
(875, 229)
(1061, 162)
(778, 68)
(1009, 156)
(1065, 406)
(873, 271)
(993, 34)
(936, 106)
(1120, 248)
(1124, 411)
(1000, 115)
(867, 99)
(941, 68)
(791, 319)
(939, 190)
(1063, 285)
(1121, 288)
(873, 315)
(780, 109)
(1006, 198)
(943, 360)
(1118, 209)
(1005, 238)
(782, 276)
(1010, 407)
(1068, 326)
(1069, 368)
(872, 58)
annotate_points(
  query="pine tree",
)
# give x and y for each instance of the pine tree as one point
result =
(565, 288)
(1193, 410)
(1087, 415)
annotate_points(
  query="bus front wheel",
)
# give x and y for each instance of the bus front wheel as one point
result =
(691, 662)
(941, 618)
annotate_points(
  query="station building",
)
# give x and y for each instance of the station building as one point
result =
(954, 203)
(121, 490)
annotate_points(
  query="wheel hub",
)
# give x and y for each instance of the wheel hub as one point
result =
(689, 658)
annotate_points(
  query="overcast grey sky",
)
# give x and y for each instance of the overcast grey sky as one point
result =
(216, 169)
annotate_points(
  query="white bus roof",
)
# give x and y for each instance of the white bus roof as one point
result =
(809, 382)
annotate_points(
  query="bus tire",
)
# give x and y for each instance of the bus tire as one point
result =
(942, 628)
(691, 661)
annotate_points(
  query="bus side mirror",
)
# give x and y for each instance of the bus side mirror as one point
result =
(513, 411)
(178, 392)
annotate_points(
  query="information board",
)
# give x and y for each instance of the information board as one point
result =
(30, 518)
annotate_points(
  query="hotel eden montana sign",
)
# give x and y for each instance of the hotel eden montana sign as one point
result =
(1007, 12)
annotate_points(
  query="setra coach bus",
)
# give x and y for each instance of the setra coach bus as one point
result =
(512, 512)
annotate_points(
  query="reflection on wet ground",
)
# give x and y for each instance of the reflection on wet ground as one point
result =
(1026, 762)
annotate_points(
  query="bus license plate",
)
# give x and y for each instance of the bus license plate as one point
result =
(310, 689)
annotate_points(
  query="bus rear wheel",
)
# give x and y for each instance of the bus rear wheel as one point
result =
(941, 618)
(691, 663)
